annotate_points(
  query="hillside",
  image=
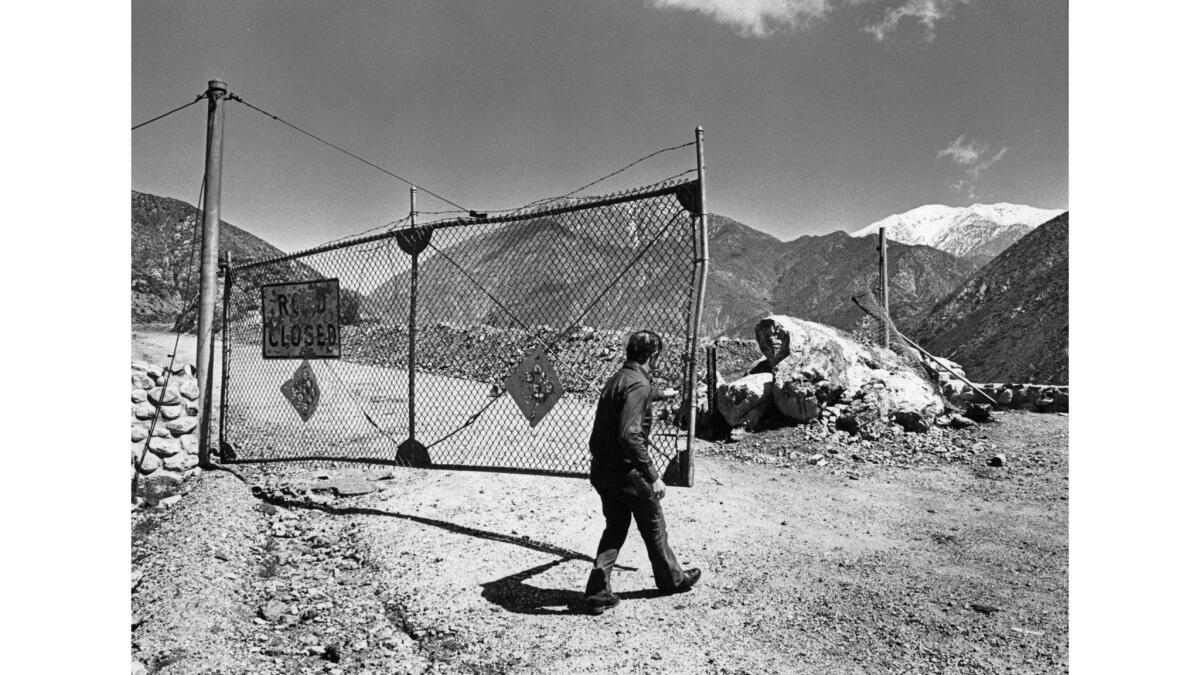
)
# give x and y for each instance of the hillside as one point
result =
(751, 274)
(161, 249)
(979, 231)
(819, 274)
(1009, 321)
(545, 271)
(813, 277)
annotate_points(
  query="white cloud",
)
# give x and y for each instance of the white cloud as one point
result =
(962, 154)
(754, 18)
(974, 157)
(925, 13)
(763, 18)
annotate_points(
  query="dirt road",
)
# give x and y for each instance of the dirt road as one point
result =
(952, 567)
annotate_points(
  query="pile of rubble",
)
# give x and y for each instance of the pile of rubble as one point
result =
(814, 373)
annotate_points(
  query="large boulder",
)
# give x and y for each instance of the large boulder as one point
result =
(809, 365)
(815, 365)
(745, 401)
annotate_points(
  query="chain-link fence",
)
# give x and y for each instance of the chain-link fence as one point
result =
(471, 343)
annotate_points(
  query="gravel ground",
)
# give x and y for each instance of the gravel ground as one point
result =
(821, 554)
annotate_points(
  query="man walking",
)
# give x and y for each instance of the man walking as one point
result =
(623, 474)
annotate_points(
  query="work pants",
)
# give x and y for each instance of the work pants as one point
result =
(623, 497)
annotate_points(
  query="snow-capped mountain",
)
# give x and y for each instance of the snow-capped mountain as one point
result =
(979, 230)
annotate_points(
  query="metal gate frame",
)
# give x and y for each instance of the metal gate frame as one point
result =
(413, 241)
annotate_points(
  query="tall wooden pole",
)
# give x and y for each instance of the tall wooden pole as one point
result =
(208, 256)
(885, 331)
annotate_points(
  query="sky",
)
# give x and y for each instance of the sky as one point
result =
(818, 115)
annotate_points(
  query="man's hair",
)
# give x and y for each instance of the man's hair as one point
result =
(642, 345)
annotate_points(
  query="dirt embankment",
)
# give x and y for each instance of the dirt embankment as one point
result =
(851, 566)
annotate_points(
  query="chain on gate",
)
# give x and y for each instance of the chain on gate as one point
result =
(478, 344)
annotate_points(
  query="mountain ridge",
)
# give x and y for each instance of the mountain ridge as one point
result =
(978, 231)
(1009, 322)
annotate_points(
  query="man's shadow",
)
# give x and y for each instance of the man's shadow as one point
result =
(510, 592)
(515, 595)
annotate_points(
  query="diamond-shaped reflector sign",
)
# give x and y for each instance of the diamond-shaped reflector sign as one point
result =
(302, 391)
(534, 386)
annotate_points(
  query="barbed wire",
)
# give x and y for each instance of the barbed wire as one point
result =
(570, 195)
(234, 97)
(169, 112)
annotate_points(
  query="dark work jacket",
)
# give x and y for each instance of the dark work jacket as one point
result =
(620, 434)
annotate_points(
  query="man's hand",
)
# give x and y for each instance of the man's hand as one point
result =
(659, 489)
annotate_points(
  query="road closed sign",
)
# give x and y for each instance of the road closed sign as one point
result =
(300, 320)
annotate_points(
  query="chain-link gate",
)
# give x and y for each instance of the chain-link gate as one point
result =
(476, 344)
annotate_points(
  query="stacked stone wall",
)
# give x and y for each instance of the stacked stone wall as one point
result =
(164, 409)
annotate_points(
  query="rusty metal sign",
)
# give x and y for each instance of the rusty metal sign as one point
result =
(301, 320)
(302, 391)
(534, 386)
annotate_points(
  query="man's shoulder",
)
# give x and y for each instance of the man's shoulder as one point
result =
(630, 377)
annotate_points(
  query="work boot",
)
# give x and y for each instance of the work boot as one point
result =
(599, 604)
(690, 577)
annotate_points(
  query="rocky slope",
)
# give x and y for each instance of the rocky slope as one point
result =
(1009, 322)
(160, 245)
(980, 231)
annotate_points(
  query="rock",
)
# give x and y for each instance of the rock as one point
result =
(170, 412)
(138, 395)
(998, 460)
(160, 431)
(137, 668)
(847, 423)
(143, 411)
(165, 480)
(872, 407)
(168, 395)
(169, 501)
(137, 433)
(960, 422)
(332, 653)
(190, 444)
(191, 408)
(273, 610)
(190, 390)
(164, 447)
(910, 421)
(1043, 404)
(180, 462)
(183, 425)
(181, 368)
(150, 462)
(745, 400)
(979, 412)
(809, 365)
(984, 609)
(142, 381)
(1061, 402)
(815, 361)
(1005, 397)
